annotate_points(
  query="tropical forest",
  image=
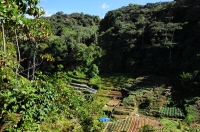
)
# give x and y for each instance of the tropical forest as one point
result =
(134, 70)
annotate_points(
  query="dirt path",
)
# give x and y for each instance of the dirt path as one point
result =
(135, 111)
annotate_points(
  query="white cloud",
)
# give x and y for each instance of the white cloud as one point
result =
(104, 6)
(28, 16)
(47, 14)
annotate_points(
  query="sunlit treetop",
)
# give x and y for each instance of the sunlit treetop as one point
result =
(13, 9)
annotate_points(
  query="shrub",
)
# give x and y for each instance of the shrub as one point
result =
(146, 128)
(93, 71)
(129, 101)
(41, 98)
(189, 119)
(192, 114)
(148, 100)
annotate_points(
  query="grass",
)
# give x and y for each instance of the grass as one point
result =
(108, 108)
(58, 123)
(76, 74)
(102, 92)
(192, 114)
(104, 84)
(178, 126)
(101, 100)
(109, 82)
(170, 124)
(106, 81)
(115, 81)
(101, 96)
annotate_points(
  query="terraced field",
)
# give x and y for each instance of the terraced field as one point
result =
(131, 124)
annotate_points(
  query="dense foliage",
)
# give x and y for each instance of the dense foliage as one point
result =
(36, 54)
(160, 38)
(37, 102)
(74, 43)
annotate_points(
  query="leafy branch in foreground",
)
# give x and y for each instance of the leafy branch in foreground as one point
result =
(38, 100)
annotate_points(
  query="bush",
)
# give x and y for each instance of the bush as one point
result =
(149, 100)
(129, 101)
(146, 128)
(41, 98)
(192, 114)
(189, 119)
(93, 71)
(95, 83)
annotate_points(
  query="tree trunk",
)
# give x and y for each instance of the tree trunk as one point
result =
(34, 65)
(17, 43)
(19, 55)
(170, 49)
(28, 74)
(143, 35)
(3, 36)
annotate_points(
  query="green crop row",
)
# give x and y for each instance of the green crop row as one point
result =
(171, 112)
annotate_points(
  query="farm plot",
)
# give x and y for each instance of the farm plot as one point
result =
(113, 102)
(171, 112)
(115, 94)
(131, 124)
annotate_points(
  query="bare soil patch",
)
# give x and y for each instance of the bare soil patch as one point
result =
(115, 94)
(113, 102)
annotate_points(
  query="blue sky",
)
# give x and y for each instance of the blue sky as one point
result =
(92, 7)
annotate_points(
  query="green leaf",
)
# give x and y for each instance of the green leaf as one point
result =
(5, 106)
(23, 106)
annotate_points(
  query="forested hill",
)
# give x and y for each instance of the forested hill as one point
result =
(157, 37)
(74, 43)
(160, 38)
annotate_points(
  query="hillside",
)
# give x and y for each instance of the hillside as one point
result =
(138, 59)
